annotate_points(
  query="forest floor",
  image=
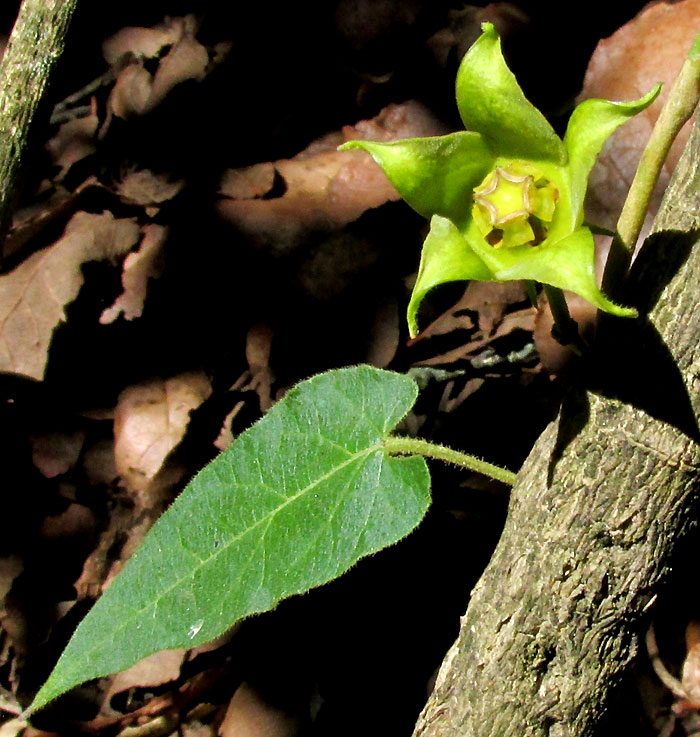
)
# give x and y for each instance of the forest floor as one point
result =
(189, 245)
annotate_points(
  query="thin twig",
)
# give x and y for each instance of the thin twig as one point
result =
(682, 101)
(35, 45)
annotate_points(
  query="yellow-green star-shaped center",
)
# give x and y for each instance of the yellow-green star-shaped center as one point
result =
(512, 208)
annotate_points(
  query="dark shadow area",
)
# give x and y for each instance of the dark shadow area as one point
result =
(573, 417)
(661, 257)
(631, 361)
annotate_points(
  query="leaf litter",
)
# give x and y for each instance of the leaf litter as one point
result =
(193, 277)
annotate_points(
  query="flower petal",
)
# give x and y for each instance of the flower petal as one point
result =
(590, 126)
(435, 175)
(446, 257)
(567, 264)
(491, 102)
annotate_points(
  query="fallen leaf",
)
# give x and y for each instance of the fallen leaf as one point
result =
(155, 670)
(143, 187)
(32, 219)
(519, 320)
(138, 268)
(98, 462)
(384, 334)
(257, 351)
(485, 301)
(76, 521)
(146, 42)
(123, 520)
(187, 59)
(150, 420)
(74, 141)
(450, 403)
(650, 48)
(690, 678)
(249, 715)
(553, 355)
(55, 453)
(10, 567)
(322, 188)
(17, 727)
(197, 729)
(249, 182)
(33, 296)
(136, 90)
(131, 93)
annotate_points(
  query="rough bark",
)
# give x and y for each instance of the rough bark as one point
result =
(35, 45)
(602, 501)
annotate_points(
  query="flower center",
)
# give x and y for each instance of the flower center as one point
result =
(513, 206)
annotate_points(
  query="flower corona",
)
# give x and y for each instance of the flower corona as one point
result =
(505, 196)
(514, 206)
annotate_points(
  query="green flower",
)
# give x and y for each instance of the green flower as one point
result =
(505, 197)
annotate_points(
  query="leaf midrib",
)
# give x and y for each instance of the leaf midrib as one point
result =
(125, 623)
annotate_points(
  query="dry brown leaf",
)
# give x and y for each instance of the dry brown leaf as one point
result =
(196, 729)
(489, 300)
(136, 91)
(384, 334)
(74, 140)
(55, 453)
(249, 715)
(154, 670)
(146, 188)
(249, 182)
(150, 420)
(10, 567)
(449, 403)
(690, 678)
(18, 727)
(650, 48)
(553, 355)
(257, 351)
(35, 216)
(33, 296)
(519, 320)
(97, 567)
(146, 42)
(76, 521)
(98, 462)
(324, 188)
(225, 436)
(138, 268)
(187, 59)
(131, 93)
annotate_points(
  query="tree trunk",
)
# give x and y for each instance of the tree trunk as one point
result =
(597, 511)
(35, 45)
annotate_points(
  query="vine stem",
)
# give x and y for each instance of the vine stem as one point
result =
(395, 445)
(681, 103)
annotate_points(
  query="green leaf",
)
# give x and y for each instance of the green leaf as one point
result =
(446, 257)
(294, 502)
(491, 102)
(435, 175)
(567, 264)
(590, 126)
